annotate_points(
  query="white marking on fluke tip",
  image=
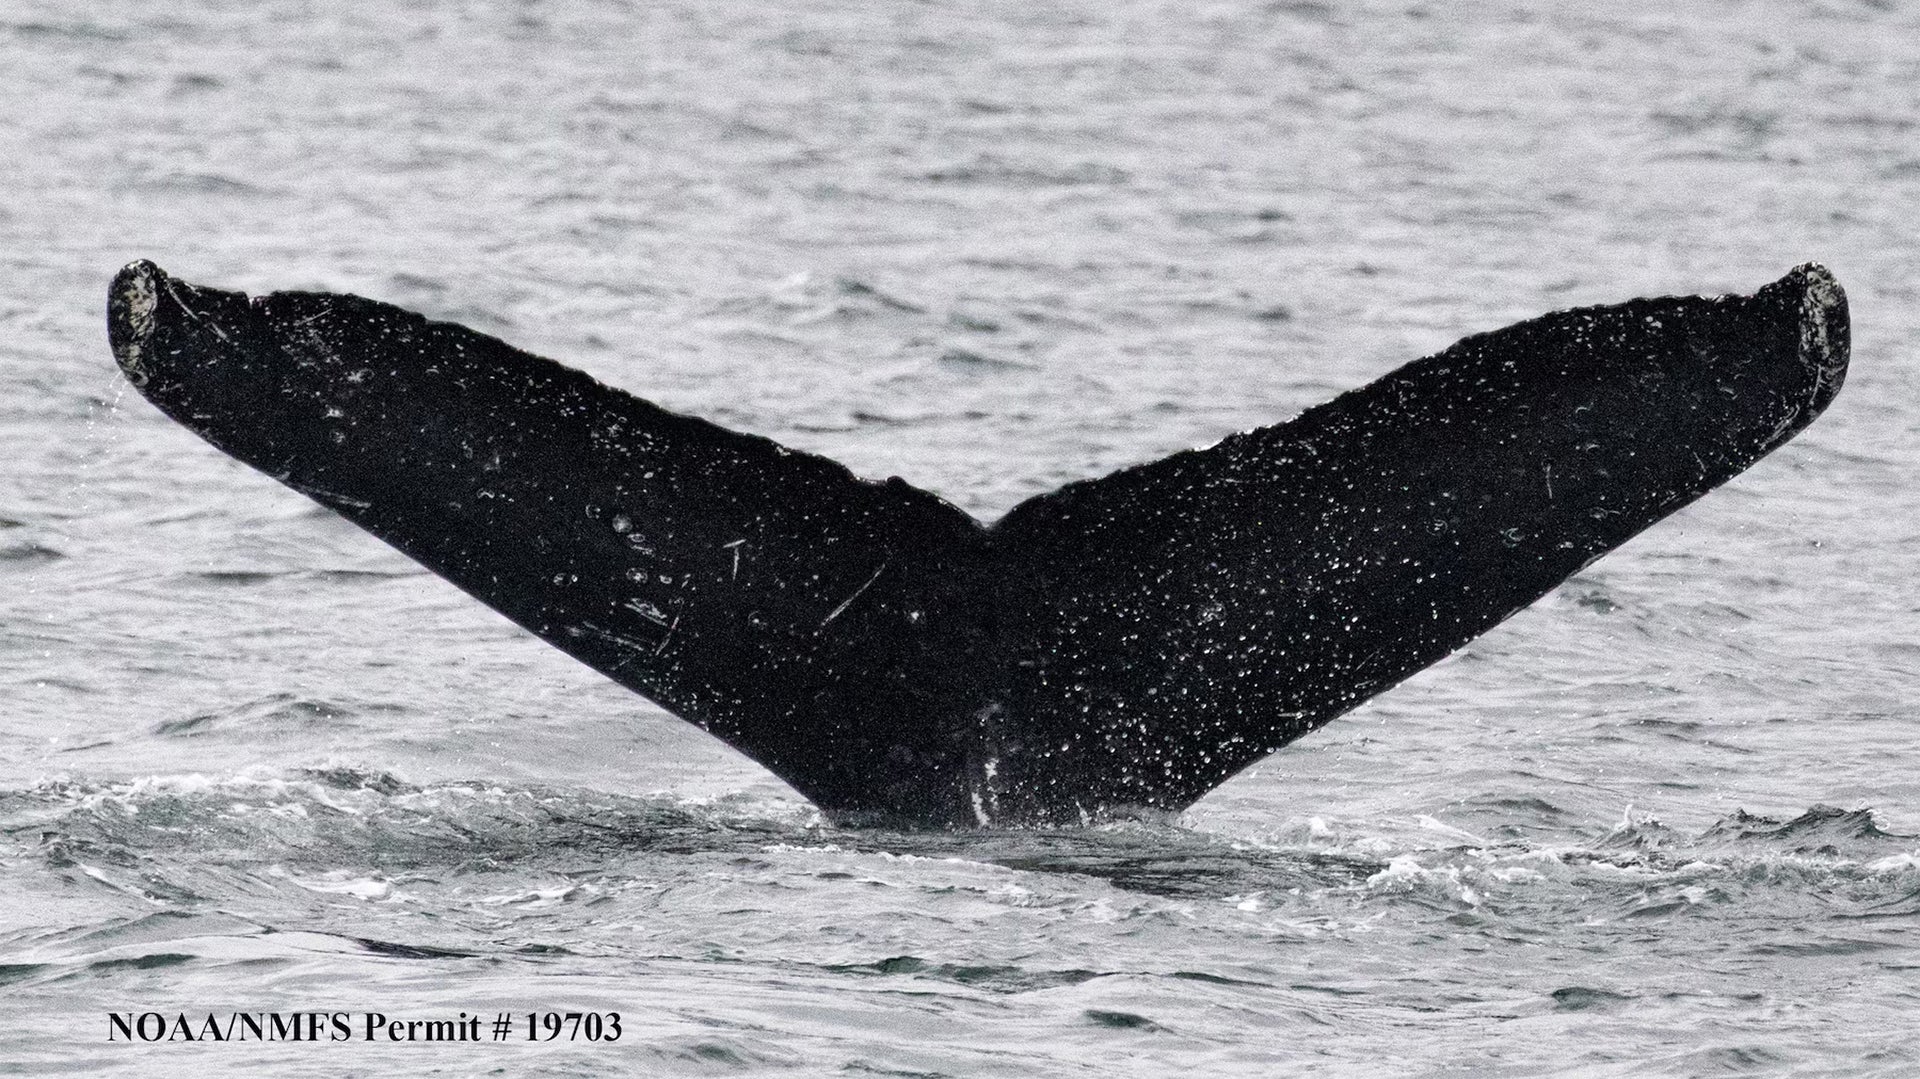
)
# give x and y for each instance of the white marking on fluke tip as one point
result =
(1820, 298)
(140, 299)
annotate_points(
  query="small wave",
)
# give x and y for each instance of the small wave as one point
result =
(962, 359)
(1309, 10)
(994, 978)
(1596, 600)
(340, 882)
(1530, 807)
(359, 576)
(78, 31)
(1159, 859)
(1826, 946)
(877, 419)
(237, 577)
(851, 287)
(189, 725)
(354, 779)
(1120, 1020)
(150, 961)
(1580, 998)
(29, 552)
(995, 170)
(194, 83)
(176, 938)
(1821, 829)
(207, 183)
(961, 320)
(274, 711)
(411, 282)
(737, 1054)
(12, 973)
(410, 951)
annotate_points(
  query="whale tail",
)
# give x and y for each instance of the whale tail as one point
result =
(1129, 641)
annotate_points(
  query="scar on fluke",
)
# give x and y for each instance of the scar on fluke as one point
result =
(1122, 643)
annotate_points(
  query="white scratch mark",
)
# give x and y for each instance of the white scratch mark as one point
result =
(321, 494)
(646, 610)
(848, 602)
(669, 636)
(629, 643)
(195, 315)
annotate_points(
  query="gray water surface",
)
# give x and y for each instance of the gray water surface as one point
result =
(1662, 823)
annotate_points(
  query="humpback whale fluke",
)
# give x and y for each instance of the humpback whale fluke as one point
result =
(1130, 641)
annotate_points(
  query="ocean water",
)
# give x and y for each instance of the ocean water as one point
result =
(1662, 823)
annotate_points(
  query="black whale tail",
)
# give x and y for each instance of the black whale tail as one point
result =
(1130, 641)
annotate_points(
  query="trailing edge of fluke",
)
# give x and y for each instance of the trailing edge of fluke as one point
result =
(1119, 644)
